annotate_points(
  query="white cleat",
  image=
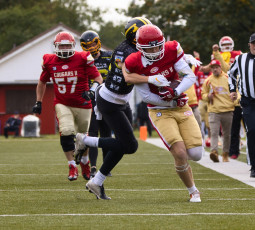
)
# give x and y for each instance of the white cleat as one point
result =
(195, 197)
(97, 190)
(80, 147)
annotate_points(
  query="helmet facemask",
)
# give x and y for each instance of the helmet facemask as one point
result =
(226, 44)
(152, 56)
(92, 49)
(64, 52)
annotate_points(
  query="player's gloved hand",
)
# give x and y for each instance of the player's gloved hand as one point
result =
(37, 108)
(167, 93)
(158, 80)
(88, 95)
(191, 60)
(182, 100)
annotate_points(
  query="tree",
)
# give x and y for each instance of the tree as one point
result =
(111, 35)
(197, 24)
(23, 19)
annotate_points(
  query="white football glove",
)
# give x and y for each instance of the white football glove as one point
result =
(191, 60)
(158, 80)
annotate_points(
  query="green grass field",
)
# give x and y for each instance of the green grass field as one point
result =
(145, 190)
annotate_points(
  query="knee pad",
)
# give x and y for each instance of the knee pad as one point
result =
(182, 168)
(67, 143)
(195, 153)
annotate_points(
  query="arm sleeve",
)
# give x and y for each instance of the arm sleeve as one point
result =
(189, 77)
(224, 66)
(152, 98)
(232, 76)
(205, 91)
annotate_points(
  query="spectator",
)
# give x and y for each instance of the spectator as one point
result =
(12, 125)
(220, 108)
(226, 56)
(143, 117)
(244, 67)
(202, 105)
(70, 72)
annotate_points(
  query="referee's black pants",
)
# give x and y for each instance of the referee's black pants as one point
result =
(119, 119)
(248, 106)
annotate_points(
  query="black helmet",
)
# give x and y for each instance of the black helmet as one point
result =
(132, 26)
(87, 38)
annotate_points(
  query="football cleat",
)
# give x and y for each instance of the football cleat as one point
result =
(85, 169)
(195, 197)
(97, 190)
(80, 148)
(73, 173)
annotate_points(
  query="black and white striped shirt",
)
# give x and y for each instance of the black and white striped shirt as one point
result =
(242, 75)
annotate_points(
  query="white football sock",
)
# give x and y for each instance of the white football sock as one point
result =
(91, 141)
(72, 163)
(99, 178)
(192, 189)
(85, 159)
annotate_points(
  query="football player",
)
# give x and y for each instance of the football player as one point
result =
(90, 41)
(177, 127)
(70, 72)
(112, 101)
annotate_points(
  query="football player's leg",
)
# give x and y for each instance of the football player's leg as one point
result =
(191, 134)
(82, 123)
(93, 151)
(67, 132)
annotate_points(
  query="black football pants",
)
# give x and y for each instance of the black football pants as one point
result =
(119, 119)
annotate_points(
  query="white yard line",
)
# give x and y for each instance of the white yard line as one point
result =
(234, 168)
(130, 214)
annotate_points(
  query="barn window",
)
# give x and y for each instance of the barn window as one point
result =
(20, 100)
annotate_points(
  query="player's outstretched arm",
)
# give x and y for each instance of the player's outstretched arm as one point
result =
(134, 78)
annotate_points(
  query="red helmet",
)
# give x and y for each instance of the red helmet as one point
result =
(150, 36)
(61, 39)
(226, 44)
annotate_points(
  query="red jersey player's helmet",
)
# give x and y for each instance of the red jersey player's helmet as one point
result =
(150, 36)
(88, 39)
(64, 45)
(226, 44)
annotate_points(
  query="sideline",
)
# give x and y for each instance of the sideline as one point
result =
(234, 168)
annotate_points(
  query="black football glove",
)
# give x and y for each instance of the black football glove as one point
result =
(37, 108)
(88, 95)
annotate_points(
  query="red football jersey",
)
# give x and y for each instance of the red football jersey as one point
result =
(164, 66)
(201, 76)
(70, 77)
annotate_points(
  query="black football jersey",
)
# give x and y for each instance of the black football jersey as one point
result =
(102, 63)
(115, 82)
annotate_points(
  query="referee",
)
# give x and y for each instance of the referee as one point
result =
(244, 67)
